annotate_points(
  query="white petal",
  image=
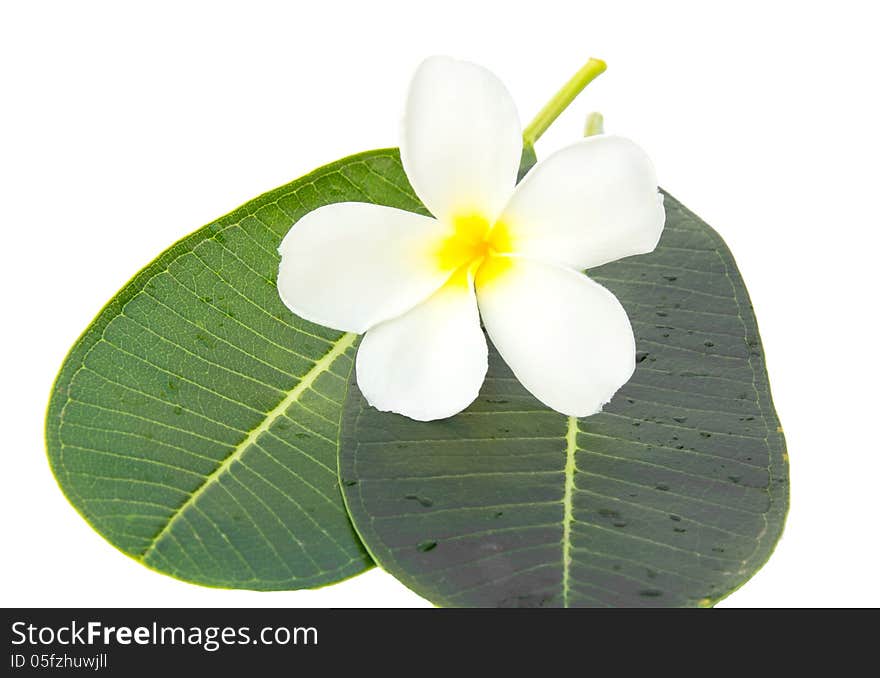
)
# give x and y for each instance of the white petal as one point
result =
(566, 338)
(587, 204)
(461, 140)
(430, 362)
(352, 265)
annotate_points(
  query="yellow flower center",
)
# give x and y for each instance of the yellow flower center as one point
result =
(474, 247)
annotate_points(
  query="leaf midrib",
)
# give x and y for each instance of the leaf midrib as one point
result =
(340, 346)
(570, 470)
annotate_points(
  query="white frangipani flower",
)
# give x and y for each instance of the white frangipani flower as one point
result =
(511, 254)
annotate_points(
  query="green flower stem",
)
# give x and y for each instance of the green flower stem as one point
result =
(589, 72)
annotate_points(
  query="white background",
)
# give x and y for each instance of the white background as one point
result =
(127, 125)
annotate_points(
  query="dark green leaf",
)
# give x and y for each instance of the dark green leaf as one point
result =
(674, 495)
(195, 422)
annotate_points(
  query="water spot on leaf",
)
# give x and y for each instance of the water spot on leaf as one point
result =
(424, 501)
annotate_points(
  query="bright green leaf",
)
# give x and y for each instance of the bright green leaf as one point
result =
(195, 422)
(673, 496)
